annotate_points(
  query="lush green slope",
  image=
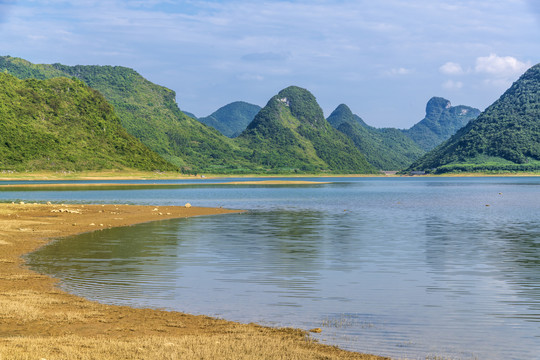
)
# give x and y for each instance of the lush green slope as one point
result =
(506, 136)
(62, 124)
(232, 119)
(290, 133)
(442, 121)
(386, 149)
(148, 112)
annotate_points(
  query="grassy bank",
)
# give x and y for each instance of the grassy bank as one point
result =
(38, 321)
(93, 175)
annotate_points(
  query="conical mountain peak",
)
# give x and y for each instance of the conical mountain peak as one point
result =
(341, 111)
(291, 132)
(343, 114)
(302, 104)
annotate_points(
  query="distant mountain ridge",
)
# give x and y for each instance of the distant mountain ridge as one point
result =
(442, 120)
(149, 112)
(191, 115)
(290, 132)
(386, 149)
(291, 126)
(232, 119)
(62, 124)
(505, 137)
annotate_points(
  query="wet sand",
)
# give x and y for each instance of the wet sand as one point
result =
(39, 321)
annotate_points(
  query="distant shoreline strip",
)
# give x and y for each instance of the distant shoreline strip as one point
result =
(111, 186)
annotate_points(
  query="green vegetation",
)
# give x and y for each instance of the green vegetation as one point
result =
(442, 121)
(297, 139)
(386, 149)
(62, 124)
(148, 111)
(505, 137)
(232, 119)
(290, 133)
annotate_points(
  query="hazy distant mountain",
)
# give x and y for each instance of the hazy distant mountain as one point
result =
(386, 149)
(442, 121)
(290, 132)
(343, 114)
(232, 119)
(506, 136)
(62, 124)
(191, 115)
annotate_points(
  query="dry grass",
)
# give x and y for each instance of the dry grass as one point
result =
(28, 306)
(221, 346)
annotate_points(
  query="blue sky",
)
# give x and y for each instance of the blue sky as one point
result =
(384, 58)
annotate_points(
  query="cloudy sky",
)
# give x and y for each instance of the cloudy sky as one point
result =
(383, 58)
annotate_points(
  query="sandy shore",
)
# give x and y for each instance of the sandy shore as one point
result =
(38, 321)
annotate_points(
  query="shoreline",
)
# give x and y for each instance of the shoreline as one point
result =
(141, 175)
(112, 186)
(38, 320)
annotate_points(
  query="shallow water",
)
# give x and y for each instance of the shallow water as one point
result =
(404, 267)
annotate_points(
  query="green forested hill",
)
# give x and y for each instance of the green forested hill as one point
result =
(506, 136)
(290, 133)
(232, 119)
(148, 111)
(442, 120)
(62, 124)
(386, 149)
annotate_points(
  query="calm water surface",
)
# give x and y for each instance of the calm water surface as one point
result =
(404, 267)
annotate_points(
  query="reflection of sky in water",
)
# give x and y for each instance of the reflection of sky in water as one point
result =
(403, 267)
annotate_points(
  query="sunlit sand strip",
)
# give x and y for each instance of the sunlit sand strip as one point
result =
(276, 182)
(155, 185)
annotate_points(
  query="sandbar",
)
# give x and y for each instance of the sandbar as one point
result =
(40, 321)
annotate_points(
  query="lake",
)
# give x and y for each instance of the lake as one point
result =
(445, 268)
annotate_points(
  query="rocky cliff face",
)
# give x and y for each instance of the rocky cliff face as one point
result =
(442, 120)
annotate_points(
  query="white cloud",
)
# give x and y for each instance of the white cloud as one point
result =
(452, 85)
(500, 71)
(323, 45)
(264, 57)
(398, 71)
(501, 66)
(451, 68)
(251, 77)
